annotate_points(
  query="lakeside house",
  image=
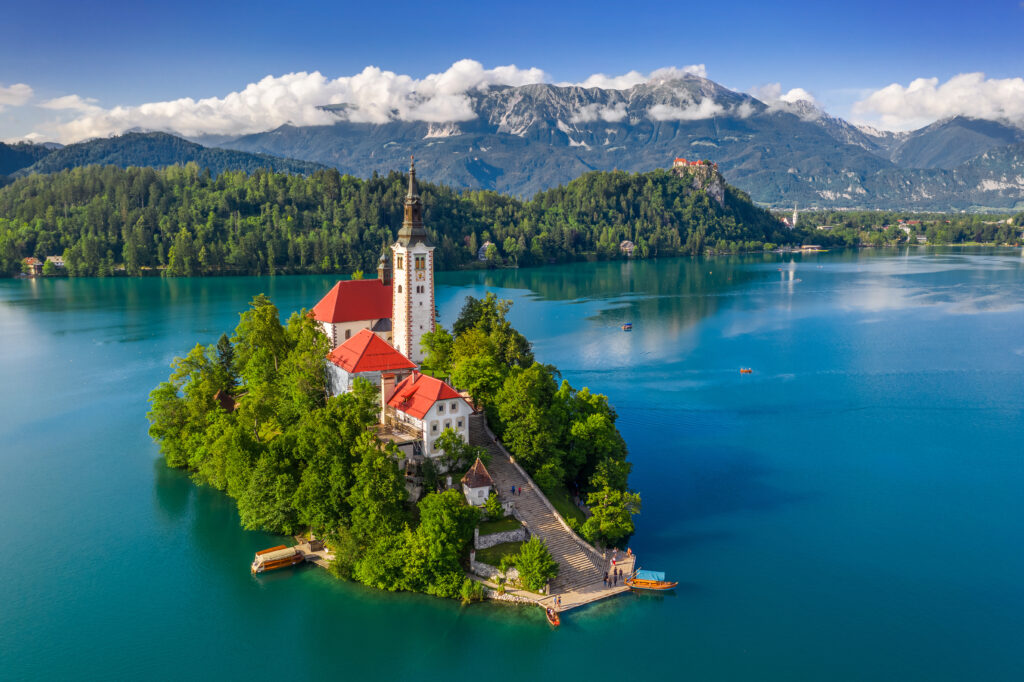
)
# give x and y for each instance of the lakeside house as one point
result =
(365, 355)
(33, 266)
(58, 261)
(481, 253)
(627, 247)
(477, 484)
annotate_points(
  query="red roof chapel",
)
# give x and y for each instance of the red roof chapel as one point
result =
(367, 352)
(354, 300)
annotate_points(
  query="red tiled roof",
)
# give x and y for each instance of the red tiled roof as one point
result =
(353, 300)
(477, 476)
(417, 393)
(367, 352)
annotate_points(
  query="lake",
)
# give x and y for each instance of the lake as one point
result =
(852, 510)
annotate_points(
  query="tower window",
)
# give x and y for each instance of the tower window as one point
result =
(348, 334)
(399, 288)
(421, 261)
(398, 262)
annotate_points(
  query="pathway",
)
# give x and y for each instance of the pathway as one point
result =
(581, 575)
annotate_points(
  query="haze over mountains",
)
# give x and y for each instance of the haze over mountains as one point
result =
(522, 139)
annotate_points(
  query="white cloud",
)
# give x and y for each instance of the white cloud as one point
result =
(373, 95)
(628, 80)
(706, 108)
(72, 102)
(593, 112)
(14, 95)
(772, 95)
(925, 100)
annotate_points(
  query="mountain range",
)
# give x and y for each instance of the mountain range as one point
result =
(523, 139)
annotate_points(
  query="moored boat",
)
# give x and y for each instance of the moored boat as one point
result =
(649, 580)
(746, 370)
(627, 327)
(276, 557)
(552, 616)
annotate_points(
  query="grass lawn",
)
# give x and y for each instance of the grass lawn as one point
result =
(499, 526)
(492, 555)
(562, 501)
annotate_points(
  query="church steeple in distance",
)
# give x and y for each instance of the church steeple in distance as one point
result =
(412, 230)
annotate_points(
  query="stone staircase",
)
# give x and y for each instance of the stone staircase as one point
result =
(578, 570)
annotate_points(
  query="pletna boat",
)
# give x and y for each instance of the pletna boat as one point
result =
(649, 580)
(552, 616)
(746, 370)
(628, 327)
(276, 557)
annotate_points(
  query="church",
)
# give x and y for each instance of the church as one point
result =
(376, 328)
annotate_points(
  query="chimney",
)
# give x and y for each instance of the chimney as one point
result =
(387, 388)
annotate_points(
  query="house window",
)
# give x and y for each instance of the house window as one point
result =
(421, 262)
(398, 264)
(440, 408)
(447, 423)
(455, 406)
(348, 334)
(459, 422)
(433, 427)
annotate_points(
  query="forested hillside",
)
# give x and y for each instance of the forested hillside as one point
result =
(182, 221)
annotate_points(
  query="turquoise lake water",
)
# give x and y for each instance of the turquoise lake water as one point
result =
(853, 510)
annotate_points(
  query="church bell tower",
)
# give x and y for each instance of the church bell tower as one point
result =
(412, 267)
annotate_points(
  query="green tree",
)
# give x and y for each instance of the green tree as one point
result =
(611, 515)
(493, 508)
(535, 564)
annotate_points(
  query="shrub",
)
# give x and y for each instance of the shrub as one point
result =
(493, 507)
(536, 565)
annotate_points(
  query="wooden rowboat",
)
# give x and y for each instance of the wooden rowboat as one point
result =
(649, 580)
(552, 617)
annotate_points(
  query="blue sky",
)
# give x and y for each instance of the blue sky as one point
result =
(129, 53)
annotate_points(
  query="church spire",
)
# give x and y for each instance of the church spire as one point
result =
(412, 224)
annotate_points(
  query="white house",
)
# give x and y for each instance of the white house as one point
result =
(477, 484)
(427, 406)
(364, 355)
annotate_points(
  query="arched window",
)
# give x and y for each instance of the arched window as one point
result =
(399, 288)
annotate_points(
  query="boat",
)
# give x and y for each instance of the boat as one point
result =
(746, 370)
(552, 616)
(276, 557)
(649, 580)
(628, 327)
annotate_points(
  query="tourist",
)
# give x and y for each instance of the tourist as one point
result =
(606, 578)
(629, 552)
(513, 490)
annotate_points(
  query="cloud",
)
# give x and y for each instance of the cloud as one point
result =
(72, 102)
(374, 95)
(14, 95)
(925, 100)
(593, 112)
(706, 108)
(772, 95)
(632, 78)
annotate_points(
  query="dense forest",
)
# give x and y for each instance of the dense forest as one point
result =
(294, 458)
(183, 221)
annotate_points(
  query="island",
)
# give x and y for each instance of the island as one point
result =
(444, 461)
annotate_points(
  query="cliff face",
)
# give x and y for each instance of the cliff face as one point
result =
(706, 179)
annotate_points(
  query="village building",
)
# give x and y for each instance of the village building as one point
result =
(365, 355)
(627, 247)
(426, 406)
(58, 261)
(33, 266)
(680, 162)
(481, 253)
(477, 484)
(354, 305)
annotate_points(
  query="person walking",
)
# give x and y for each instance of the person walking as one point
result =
(606, 578)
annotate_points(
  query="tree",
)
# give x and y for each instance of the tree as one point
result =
(612, 515)
(378, 495)
(437, 345)
(493, 508)
(439, 543)
(457, 453)
(535, 564)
